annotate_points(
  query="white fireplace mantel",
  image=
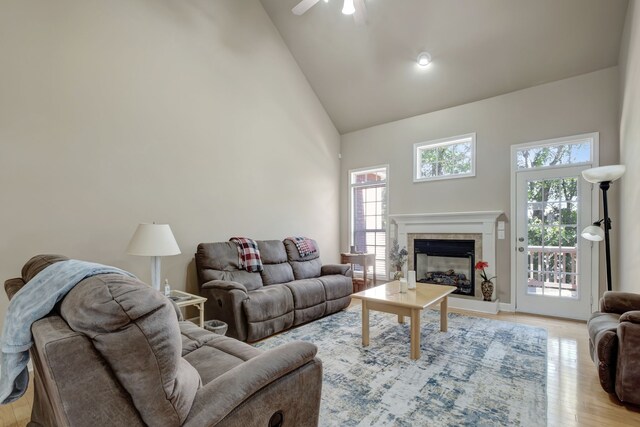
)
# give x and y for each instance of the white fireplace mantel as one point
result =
(454, 222)
(434, 219)
(483, 222)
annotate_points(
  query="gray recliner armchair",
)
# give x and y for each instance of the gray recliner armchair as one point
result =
(614, 342)
(114, 353)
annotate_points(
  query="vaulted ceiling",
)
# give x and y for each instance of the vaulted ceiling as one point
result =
(367, 74)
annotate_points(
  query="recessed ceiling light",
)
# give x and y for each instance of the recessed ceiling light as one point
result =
(348, 8)
(424, 59)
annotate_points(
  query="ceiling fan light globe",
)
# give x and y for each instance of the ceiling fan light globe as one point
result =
(348, 7)
(593, 233)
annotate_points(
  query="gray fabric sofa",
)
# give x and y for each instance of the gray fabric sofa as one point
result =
(291, 289)
(115, 352)
(614, 343)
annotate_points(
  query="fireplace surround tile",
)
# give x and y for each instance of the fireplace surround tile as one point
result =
(480, 225)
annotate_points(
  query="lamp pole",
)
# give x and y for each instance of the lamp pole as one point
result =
(604, 186)
(603, 175)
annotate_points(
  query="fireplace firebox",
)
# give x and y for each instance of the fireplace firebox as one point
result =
(446, 262)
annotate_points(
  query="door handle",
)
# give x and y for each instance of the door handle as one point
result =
(520, 249)
(520, 239)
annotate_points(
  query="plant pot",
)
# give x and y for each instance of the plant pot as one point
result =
(487, 290)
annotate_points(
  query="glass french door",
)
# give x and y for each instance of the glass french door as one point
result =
(553, 263)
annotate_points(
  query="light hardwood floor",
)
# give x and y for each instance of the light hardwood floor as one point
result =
(18, 413)
(574, 395)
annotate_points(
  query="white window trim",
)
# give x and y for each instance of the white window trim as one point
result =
(444, 142)
(351, 186)
(594, 138)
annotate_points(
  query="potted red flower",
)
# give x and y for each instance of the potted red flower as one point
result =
(487, 284)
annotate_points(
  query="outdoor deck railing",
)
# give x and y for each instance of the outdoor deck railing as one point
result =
(556, 263)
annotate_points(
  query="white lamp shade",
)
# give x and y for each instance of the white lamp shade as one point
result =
(593, 233)
(604, 173)
(153, 240)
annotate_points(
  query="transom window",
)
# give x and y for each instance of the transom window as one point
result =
(453, 157)
(369, 214)
(570, 152)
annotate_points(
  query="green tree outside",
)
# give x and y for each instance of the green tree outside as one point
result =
(446, 160)
(552, 214)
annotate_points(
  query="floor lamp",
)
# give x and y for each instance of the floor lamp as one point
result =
(603, 175)
(154, 240)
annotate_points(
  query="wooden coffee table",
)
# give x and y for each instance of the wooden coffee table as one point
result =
(388, 299)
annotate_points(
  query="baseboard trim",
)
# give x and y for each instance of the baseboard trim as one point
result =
(490, 307)
(507, 306)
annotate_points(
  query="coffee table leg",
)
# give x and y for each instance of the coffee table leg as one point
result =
(400, 318)
(415, 334)
(443, 314)
(365, 324)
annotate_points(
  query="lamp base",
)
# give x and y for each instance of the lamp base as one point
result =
(155, 273)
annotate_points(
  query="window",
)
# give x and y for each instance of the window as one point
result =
(368, 190)
(445, 158)
(559, 153)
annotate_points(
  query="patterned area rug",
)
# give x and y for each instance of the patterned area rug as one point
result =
(480, 373)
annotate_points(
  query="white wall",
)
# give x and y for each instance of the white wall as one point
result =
(587, 103)
(630, 152)
(192, 113)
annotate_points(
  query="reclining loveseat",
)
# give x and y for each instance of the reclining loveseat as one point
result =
(290, 290)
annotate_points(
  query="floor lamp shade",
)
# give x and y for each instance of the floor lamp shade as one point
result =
(155, 241)
(593, 233)
(604, 173)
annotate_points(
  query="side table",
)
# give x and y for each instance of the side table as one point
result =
(186, 299)
(365, 260)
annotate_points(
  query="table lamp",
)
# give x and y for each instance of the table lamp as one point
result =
(154, 240)
(603, 175)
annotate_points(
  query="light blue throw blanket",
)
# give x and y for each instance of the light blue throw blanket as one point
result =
(31, 303)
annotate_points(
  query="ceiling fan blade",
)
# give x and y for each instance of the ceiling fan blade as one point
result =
(360, 15)
(303, 6)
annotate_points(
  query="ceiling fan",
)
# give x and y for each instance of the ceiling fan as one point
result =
(349, 7)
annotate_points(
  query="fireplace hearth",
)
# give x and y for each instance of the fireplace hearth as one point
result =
(446, 262)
